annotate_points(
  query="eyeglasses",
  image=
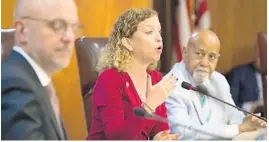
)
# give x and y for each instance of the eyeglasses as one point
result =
(59, 26)
(212, 57)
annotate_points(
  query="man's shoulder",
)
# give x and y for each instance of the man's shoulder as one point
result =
(243, 68)
(15, 64)
(220, 80)
(177, 69)
(16, 76)
(13, 81)
(9, 70)
(218, 77)
(216, 74)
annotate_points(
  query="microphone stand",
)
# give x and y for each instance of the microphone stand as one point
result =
(202, 89)
(236, 107)
(140, 112)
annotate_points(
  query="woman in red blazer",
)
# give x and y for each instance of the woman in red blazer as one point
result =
(128, 79)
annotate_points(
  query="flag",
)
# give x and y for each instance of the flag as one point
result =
(190, 15)
(202, 20)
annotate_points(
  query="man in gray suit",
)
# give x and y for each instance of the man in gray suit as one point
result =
(44, 41)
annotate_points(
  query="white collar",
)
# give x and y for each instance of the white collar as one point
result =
(41, 74)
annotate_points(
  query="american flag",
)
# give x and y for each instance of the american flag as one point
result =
(189, 16)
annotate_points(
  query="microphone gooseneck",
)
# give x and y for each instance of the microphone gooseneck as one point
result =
(202, 89)
(140, 112)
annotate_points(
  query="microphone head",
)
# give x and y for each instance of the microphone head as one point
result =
(138, 111)
(199, 88)
(186, 85)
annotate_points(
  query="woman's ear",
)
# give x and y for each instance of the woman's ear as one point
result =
(126, 43)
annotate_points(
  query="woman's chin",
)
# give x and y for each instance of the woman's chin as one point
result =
(157, 58)
(153, 59)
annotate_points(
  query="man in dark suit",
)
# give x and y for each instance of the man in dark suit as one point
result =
(44, 38)
(246, 85)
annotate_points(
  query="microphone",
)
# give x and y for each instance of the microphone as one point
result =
(140, 112)
(198, 88)
(202, 89)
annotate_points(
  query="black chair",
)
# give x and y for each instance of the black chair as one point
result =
(88, 52)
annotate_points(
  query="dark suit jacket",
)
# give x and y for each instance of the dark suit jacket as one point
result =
(243, 82)
(26, 112)
(114, 97)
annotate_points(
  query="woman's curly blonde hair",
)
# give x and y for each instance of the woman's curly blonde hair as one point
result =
(115, 54)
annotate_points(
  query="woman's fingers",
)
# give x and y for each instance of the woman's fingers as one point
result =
(170, 84)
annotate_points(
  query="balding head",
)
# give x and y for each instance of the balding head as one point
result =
(201, 54)
(28, 7)
(43, 8)
(204, 37)
(45, 29)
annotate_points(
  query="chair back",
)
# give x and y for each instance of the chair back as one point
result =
(88, 52)
(7, 42)
(262, 45)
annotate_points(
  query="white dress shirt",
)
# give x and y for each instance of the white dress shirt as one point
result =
(211, 120)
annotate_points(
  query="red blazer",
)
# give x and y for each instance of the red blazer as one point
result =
(114, 97)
